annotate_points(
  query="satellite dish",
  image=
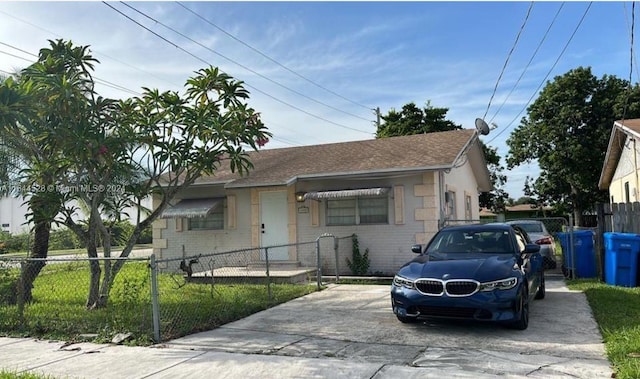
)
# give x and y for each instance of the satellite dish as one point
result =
(482, 126)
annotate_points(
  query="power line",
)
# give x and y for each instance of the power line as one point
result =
(271, 59)
(530, 60)
(584, 15)
(633, 23)
(254, 88)
(506, 62)
(626, 18)
(241, 65)
(95, 51)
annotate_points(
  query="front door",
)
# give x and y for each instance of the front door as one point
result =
(274, 224)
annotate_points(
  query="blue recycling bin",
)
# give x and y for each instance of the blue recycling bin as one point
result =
(585, 254)
(621, 259)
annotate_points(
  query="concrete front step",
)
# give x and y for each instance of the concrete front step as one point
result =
(274, 265)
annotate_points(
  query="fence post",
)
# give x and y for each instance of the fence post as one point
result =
(155, 307)
(319, 268)
(20, 293)
(335, 249)
(266, 260)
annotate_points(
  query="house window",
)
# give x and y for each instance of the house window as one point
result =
(214, 221)
(450, 204)
(358, 211)
(467, 207)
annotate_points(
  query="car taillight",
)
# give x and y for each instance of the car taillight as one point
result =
(545, 241)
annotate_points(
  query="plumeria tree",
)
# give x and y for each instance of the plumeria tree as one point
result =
(110, 154)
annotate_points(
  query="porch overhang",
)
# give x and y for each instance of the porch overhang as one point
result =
(193, 208)
(318, 195)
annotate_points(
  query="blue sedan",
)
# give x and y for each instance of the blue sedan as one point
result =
(476, 272)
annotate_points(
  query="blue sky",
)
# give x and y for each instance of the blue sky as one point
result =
(356, 56)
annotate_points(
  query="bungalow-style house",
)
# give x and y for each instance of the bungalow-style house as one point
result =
(620, 172)
(391, 192)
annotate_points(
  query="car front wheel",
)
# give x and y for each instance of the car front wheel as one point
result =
(522, 311)
(542, 291)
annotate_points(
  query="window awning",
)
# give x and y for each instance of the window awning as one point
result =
(346, 193)
(192, 208)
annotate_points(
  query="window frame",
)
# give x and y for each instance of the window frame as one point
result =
(216, 218)
(355, 211)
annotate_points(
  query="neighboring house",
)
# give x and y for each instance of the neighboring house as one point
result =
(390, 192)
(620, 172)
(13, 211)
(519, 211)
(13, 215)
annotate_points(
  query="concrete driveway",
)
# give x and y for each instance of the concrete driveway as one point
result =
(345, 331)
(353, 324)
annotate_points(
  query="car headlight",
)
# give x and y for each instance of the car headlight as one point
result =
(504, 284)
(399, 281)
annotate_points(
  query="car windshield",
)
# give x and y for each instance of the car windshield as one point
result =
(453, 244)
(531, 227)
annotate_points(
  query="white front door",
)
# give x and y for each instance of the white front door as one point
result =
(274, 224)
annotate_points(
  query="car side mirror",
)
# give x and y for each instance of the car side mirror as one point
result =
(416, 249)
(531, 248)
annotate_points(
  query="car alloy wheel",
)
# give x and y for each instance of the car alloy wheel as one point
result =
(522, 310)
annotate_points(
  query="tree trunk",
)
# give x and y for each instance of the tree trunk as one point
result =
(94, 281)
(107, 279)
(32, 268)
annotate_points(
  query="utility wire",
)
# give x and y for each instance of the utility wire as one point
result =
(241, 65)
(626, 99)
(530, 60)
(95, 51)
(626, 19)
(254, 88)
(584, 15)
(271, 59)
(506, 62)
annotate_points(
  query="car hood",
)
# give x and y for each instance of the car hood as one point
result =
(482, 269)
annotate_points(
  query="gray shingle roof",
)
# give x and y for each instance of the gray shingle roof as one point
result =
(405, 153)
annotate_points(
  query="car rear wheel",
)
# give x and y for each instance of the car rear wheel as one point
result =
(522, 310)
(542, 291)
(407, 319)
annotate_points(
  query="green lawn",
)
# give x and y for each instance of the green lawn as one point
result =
(617, 311)
(12, 375)
(58, 310)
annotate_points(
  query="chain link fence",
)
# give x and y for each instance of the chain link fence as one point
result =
(55, 305)
(155, 300)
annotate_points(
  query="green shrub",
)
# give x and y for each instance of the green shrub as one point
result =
(64, 239)
(12, 243)
(359, 264)
(145, 236)
(8, 290)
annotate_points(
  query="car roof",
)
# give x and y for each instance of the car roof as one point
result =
(528, 221)
(477, 227)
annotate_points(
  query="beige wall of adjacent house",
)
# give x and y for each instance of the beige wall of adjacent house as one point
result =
(626, 175)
